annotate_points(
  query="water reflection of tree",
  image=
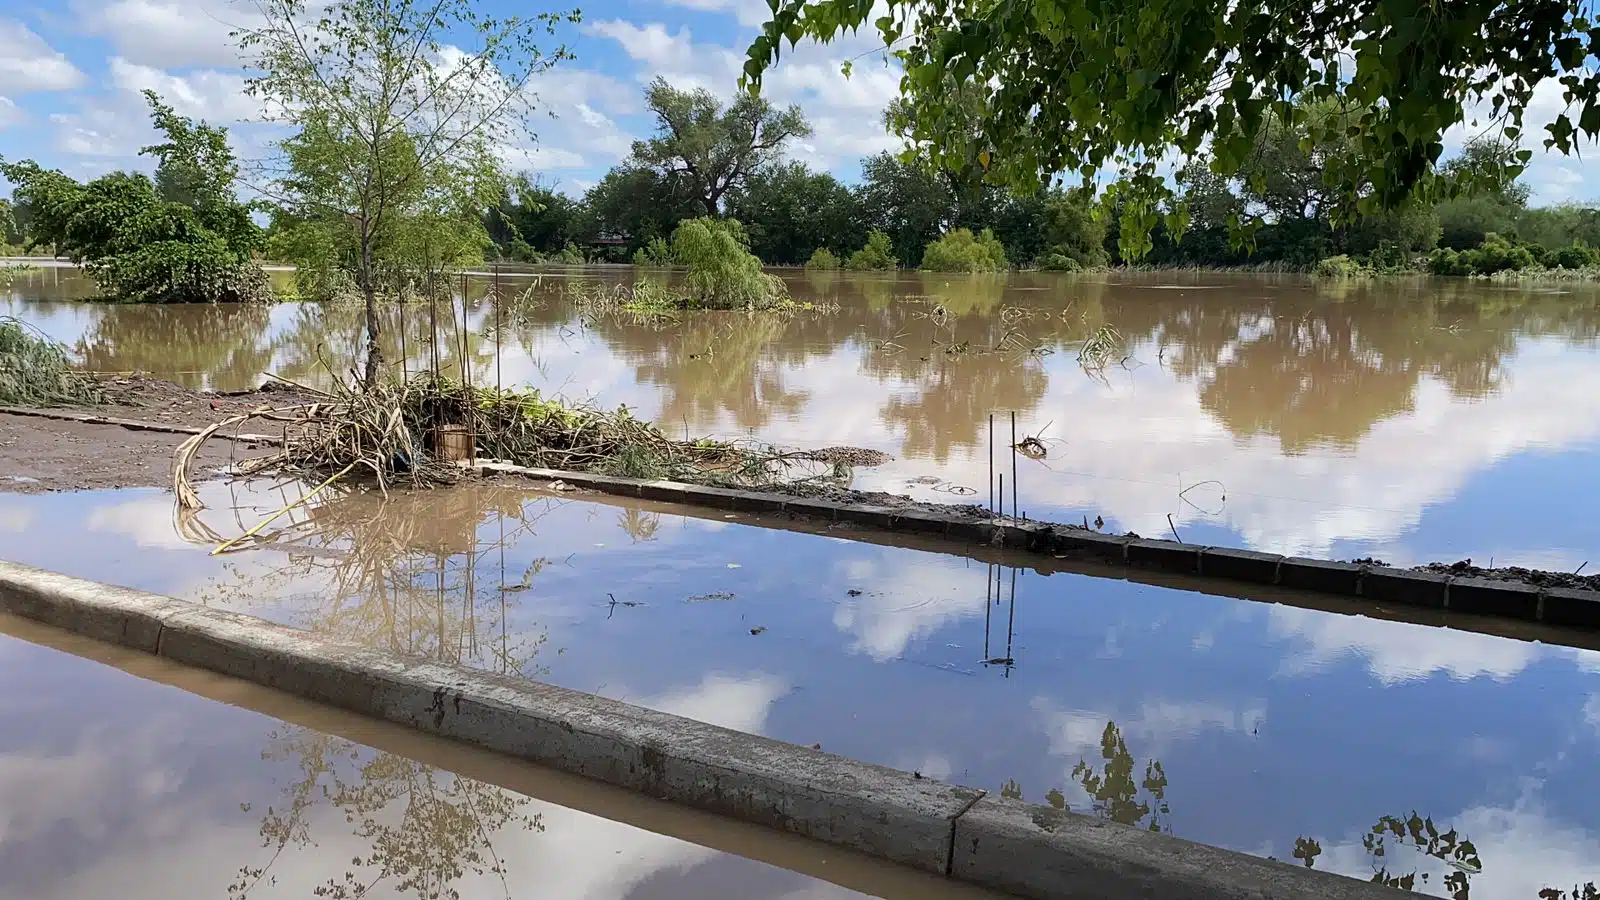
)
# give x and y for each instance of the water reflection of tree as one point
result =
(1115, 795)
(225, 347)
(427, 828)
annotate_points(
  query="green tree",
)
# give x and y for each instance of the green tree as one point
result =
(637, 203)
(714, 148)
(877, 254)
(182, 237)
(960, 250)
(905, 201)
(397, 136)
(1079, 89)
(533, 218)
(791, 212)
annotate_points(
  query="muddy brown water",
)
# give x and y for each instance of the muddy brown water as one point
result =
(1410, 420)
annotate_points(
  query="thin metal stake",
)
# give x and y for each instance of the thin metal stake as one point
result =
(991, 464)
(1002, 495)
(1014, 513)
(988, 591)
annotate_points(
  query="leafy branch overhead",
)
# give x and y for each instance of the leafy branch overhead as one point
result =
(1073, 89)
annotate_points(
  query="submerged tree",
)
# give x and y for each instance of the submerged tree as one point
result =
(399, 137)
(182, 237)
(714, 149)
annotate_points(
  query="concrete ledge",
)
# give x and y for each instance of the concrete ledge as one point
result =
(1165, 555)
(1070, 543)
(1033, 851)
(1045, 853)
(1320, 575)
(883, 812)
(1492, 597)
(1241, 565)
(1565, 606)
(1382, 584)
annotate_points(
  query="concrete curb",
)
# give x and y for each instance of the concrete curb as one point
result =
(1404, 587)
(1033, 851)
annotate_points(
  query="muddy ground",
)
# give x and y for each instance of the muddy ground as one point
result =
(38, 454)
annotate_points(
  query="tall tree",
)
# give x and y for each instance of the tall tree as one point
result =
(533, 217)
(398, 137)
(712, 147)
(790, 211)
(906, 201)
(183, 237)
(639, 204)
(1079, 88)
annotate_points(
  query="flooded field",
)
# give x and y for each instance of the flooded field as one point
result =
(1410, 420)
(1270, 729)
(151, 792)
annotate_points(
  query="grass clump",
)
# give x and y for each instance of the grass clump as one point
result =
(1341, 266)
(35, 371)
(823, 259)
(878, 254)
(962, 251)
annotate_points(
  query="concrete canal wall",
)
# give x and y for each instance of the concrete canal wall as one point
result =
(1028, 850)
(1566, 607)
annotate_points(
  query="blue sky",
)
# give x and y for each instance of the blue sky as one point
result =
(71, 73)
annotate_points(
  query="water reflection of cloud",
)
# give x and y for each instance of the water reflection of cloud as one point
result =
(15, 519)
(1394, 652)
(904, 602)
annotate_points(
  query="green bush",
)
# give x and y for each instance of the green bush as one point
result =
(877, 254)
(1495, 255)
(1341, 266)
(961, 251)
(35, 371)
(723, 273)
(570, 255)
(823, 259)
(655, 253)
(1576, 256)
(1059, 262)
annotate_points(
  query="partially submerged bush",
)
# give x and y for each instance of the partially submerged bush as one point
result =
(723, 273)
(571, 255)
(961, 251)
(823, 259)
(35, 371)
(1496, 255)
(1059, 262)
(1341, 266)
(877, 254)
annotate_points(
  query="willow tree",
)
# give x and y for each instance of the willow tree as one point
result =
(1085, 88)
(402, 112)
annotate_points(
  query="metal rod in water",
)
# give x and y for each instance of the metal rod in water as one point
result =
(991, 464)
(1011, 619)
(1014, 513)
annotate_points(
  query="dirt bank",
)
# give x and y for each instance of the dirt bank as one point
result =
(38, 454)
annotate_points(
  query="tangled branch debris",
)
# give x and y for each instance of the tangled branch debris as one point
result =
(35, 371)
(390, 433)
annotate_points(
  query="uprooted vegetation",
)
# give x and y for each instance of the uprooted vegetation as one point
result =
(400, 433)
(35, 371)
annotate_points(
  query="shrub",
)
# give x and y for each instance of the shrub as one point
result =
(1341, 266)
(34, 371)
(570, 255)
(823, 259)
(1496, 255)
(877, 254)
(1576, 256)
(655, 253)
(961, 251)
(723, 273)
(1059, 262)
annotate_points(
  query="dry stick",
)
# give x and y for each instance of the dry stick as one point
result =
(223, 547)
(1173, 527)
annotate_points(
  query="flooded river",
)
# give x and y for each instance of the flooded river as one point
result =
(1409, 420)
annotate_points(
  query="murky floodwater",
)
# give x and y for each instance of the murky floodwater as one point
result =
(1408, 420)
(1233, 722)
(148, 791)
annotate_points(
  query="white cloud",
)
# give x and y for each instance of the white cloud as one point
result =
(27, 63)
(146, 521)
(172, 34)
(922, 600)
(748, 12)
(203, 94)
(10, 114)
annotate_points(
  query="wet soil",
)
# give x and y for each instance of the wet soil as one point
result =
(40, 454)
(1539, 577)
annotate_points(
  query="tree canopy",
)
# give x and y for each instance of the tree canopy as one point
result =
(1077, 89)
(712, 148)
